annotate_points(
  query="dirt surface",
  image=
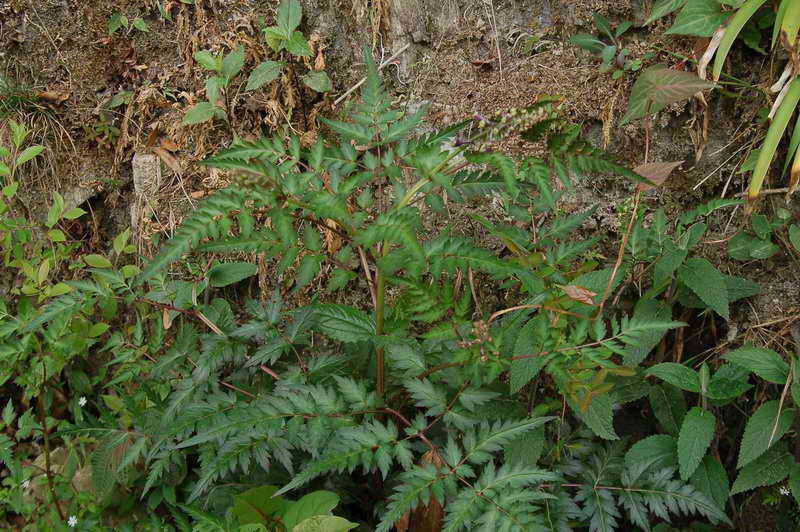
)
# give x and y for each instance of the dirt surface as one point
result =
(98, 100)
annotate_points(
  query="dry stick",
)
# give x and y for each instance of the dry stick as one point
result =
(767, 192)
(368, 275)
(620, 254)
(524, 307)
(355, 87)
(780, 405)
(471, 280)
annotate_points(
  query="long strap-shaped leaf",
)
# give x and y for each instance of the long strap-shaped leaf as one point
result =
(790, 21)
(776, 28)
(774, 135)
(735, 27)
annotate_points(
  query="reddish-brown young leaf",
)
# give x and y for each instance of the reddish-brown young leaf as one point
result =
(659, 87)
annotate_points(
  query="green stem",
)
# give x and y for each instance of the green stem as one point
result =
(416, 187)
(380, 305)
(46, 435)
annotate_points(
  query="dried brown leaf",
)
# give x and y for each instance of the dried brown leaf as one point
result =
(656, 173)
(169, 145)
(54, 96)
(170, 160)
(580, 294)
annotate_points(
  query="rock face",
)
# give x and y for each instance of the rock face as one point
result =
(461, 56)
(146, 169)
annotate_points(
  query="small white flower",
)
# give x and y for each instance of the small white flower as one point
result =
(785, 491)
(72, 521)
(82, 401)
(26, 484)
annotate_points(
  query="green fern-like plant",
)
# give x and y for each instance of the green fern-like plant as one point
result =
(380, 361)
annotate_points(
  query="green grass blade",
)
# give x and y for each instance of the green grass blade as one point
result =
(776, 28)
(790, 25)
(793, 145)
(773, 138)
(735, 27)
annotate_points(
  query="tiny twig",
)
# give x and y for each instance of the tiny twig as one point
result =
(620, 254)
(355, 87)
(368, 275)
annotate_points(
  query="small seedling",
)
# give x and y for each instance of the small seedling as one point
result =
(614, 55)
(119, 21)
(756, 243)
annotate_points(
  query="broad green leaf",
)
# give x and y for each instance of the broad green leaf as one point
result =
(344, 323)
(275, 39)
(59, 289)
(647, 310)
(8, 413)
(121, 240)
(790, 22)
(97, 261)
(771, 467)
(315, 503)
(662, 8)
(668, 264)
(318, 81)
(697, 432)
(794, 237)
(588, 42)
(230, 273)
(233, 64)
(72, 214)
(677, 375)
(794, 481)
(117, 21)
(699, 17)
(765, 363)
(764, 428)
(214, 86)
(527, 449)
(325, 523)
(745, 247)
(761, 226)
(298, 45)
(27, 154)
(97, 329)
(603, 24)
(308, 269)
(708, 283)
(740, 288)
(56, 235)
(290, 13)
(339, 279)
(652, 453)
(728, 382)
(669, 407)
(202, 112)
(256, 505)
(349, 130)
(599, 417)
(207, 60)
(529, 341)
(264, 73)
(712, 480)
(141, 25)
